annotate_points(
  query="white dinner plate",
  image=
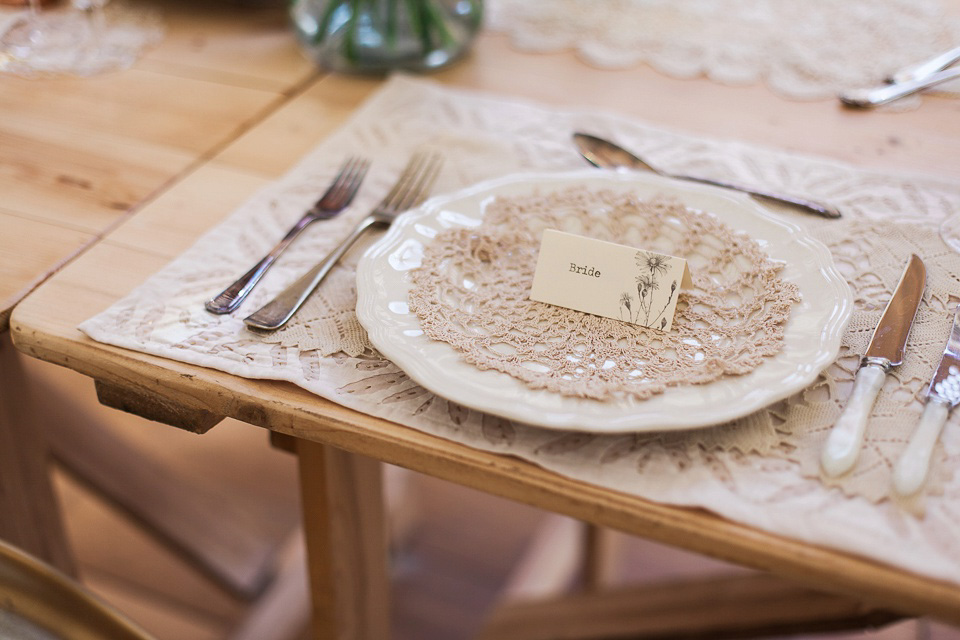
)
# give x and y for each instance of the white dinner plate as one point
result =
(811, 338)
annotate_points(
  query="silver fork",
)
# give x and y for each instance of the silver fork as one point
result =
(875, 96)
(337, 197)
(925, 68)
(410, 190)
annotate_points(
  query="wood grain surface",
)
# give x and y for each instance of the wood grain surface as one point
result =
(79, 155)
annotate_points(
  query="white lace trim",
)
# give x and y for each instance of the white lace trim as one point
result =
(802, 50)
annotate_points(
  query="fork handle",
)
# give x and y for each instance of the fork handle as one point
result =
(231, 297)
(925, 68)
(887, 93)
(278, 311)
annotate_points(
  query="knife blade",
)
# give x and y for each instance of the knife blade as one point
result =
(608, 155)
(943, 394)
(884, 352)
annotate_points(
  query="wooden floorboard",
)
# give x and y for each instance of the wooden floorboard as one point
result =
(155, 616)
(115, 551)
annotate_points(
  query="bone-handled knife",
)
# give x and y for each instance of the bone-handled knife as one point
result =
(885, 351)
(943, 394)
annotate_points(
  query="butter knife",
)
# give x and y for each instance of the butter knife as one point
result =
(943, 394)
(608, 155)
(885, 352)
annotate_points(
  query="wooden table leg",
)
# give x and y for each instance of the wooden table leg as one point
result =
(594, 557)
(29, 512)
(345, 529)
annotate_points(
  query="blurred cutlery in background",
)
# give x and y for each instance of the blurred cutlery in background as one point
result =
(875, 96)
(925, 68)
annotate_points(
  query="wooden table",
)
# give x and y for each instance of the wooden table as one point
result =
(78, 156)
(219, 129)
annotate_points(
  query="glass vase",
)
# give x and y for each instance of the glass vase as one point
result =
(378, 36)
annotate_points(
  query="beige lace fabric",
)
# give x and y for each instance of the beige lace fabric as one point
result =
(872, 256)
(802, 50)
(472, 291)
(759, 470)
(326, 323)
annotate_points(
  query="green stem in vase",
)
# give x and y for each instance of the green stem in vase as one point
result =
(350, 50)
(380, 34)
(324, 25)
(415, 13)
(391, 26)
(435, 18)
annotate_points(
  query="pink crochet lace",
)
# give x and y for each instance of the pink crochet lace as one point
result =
(472, 291)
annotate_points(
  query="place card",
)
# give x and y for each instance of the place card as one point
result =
(608, 279)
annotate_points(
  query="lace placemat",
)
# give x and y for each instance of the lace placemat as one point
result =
(759, 470)
(472, 292)
(802, 50)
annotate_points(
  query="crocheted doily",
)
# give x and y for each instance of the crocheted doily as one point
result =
(472, 291)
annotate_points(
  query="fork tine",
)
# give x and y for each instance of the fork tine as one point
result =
(418, 175)
(356, 178)
(344, 178)
(413, 166)
(345, 188)
(345, 168)
(428, 175)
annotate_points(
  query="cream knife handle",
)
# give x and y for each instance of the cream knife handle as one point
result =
(843, 445)
(910, 472)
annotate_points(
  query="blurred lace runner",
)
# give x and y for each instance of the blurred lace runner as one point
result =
(726, 325)
(759, 470)
(802, 50)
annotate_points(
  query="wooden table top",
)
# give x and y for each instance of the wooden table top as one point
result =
(79, 155)
(148, 159)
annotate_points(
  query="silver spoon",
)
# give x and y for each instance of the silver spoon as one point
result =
(607, 155)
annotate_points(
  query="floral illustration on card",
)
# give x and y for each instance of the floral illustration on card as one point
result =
(648, 307)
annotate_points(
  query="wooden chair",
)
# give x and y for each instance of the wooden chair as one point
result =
(39, 426)
(37, 601)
